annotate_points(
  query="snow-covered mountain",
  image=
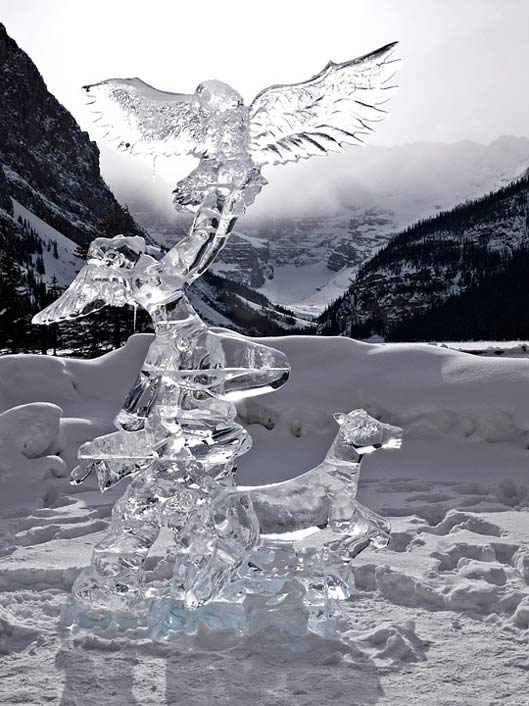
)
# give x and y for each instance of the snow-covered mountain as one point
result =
(51, 165)
(453, 581)
(52, 195)
(53, 199)
(316, 222)
(466, 266)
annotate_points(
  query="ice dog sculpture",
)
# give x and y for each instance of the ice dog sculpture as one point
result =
(311, 527)
(177, 436)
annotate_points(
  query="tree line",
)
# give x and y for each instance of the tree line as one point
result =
(24, 290)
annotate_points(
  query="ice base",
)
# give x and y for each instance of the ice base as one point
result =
(168, 619)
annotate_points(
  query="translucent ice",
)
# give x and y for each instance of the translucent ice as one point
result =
(243, 557)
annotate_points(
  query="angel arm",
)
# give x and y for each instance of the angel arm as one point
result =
(337, 106)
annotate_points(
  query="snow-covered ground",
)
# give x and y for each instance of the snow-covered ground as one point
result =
(440, 618)
(509, 349)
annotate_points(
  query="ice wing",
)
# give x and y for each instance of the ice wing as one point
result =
(337, 106)
(143, 120)
(94, 287)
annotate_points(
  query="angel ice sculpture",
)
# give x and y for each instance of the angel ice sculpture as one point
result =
(237, 551)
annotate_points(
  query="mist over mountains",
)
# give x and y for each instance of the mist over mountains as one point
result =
(317, 221)
(307, 256)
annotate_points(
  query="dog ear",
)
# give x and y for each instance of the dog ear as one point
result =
(339, 417)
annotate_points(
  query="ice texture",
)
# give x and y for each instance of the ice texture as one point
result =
(339, 105)
(243, 556)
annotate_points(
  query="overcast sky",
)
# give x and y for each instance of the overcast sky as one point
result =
(465, 72)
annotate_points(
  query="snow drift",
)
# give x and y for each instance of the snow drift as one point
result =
(453, 581)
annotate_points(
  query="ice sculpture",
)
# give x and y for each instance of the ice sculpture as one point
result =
(242, 556)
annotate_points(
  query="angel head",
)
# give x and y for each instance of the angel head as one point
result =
(340, 105)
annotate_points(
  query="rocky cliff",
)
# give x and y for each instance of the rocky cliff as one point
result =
(51, 166)
(439, 260)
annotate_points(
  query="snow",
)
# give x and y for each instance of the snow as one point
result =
(309, 292)
(439, 618)
(318, 220)
(67, 265)
(509, 349)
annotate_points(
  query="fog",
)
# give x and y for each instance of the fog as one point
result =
(464, 72)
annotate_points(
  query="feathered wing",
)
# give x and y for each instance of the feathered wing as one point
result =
(143, 120)
(93, 288)
(339, 105)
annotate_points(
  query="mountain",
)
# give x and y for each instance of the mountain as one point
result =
(317, 221)
(50, 164)
(444, 275)
(230, 304)
(5, 201)
(493, 308)
(53, 202)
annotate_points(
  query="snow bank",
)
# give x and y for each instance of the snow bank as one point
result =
(401, 381)
(425, 389)
(454, 580)
(48, 407)
(27, 434)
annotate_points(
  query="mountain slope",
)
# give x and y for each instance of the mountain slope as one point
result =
(434, 260)
(493, 308)
(5, 201)
(230, 304)
(52, 200)
(318, 221)
(51, 165)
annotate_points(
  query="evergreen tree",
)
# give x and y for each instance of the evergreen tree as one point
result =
(14, 299)
(116, 221)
